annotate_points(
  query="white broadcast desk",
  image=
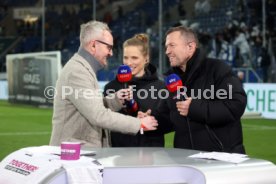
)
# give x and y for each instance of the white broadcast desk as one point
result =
(171, 166)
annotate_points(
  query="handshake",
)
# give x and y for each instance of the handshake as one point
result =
(148, 122)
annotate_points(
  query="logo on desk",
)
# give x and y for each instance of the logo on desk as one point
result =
(21, 167)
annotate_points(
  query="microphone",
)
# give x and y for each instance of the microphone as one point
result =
(174, 83)
(124, 76)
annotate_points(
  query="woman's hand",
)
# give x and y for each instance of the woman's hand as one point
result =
(125, 95)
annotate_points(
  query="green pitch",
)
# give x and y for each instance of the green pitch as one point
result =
(259, 137)
(24, 126)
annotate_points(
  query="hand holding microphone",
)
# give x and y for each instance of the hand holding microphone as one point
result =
(174, 84)
(125, 95)
(183, 106)
(124, 76)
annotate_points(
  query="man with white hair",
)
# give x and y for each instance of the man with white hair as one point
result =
(81, 113)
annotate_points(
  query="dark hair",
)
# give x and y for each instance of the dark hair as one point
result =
(187, 33)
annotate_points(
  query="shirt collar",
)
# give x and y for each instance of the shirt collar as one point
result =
(95, 65)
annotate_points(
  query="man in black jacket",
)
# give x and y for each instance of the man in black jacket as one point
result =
(209, 118)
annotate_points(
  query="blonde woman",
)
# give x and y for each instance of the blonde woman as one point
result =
(146, 85)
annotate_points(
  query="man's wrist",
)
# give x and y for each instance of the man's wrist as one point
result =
(142, 127)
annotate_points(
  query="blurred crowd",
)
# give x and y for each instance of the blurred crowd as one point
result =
(241, 42)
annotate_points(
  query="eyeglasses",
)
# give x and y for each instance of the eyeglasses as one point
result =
(109, 47)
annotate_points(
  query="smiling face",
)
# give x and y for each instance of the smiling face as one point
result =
(134, 58)
(103, 48)
(179, 50)
(96, 38)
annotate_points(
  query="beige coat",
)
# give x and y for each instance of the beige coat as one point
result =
(79, 114)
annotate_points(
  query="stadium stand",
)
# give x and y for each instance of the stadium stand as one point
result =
(125, 18)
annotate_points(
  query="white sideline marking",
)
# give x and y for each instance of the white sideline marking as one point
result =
(25, 114)
(23, 133)
(259, 127)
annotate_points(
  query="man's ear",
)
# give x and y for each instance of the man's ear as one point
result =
(192, 46)
(91, 45)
